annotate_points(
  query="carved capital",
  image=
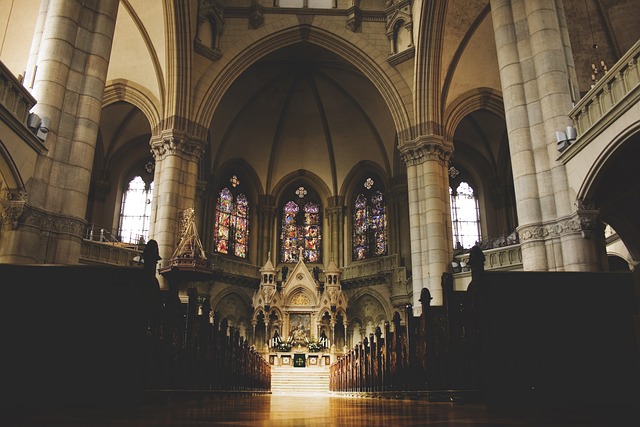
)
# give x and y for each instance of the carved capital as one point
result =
(177, 145)
(334, 211)
(12, 211)
(426, 148)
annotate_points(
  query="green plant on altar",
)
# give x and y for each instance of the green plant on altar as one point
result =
(314, 346)
(284, 346)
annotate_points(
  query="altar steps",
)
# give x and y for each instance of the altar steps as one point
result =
(290, 380)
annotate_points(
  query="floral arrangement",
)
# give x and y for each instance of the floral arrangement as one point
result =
(284, 346)
(314, 346)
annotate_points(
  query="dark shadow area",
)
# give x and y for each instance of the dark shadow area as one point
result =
(558, 338)
(72, 335)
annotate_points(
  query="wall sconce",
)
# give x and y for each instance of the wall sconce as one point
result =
(566, 138)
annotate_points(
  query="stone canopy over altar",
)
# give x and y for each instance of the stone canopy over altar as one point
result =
(301, 309)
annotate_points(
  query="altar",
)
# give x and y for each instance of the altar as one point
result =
(300, 359)
(295, 318)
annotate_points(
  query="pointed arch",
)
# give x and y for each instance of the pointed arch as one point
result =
(276, 35)
(137, 95)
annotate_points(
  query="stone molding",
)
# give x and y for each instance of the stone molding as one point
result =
(18, 212)
(423, 149)
(354, 16)
(583, 221)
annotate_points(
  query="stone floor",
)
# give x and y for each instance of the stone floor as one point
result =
(316, 410)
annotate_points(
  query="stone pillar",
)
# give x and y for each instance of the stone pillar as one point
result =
(538, 77)
(335, 216)
(266, 230)
(266, 332)
(254, 323)
(67, 71)
(427, 160)
(175, 178)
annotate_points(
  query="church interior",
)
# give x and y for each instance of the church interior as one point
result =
(429, 201)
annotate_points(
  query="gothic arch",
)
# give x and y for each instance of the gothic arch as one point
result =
(10, 177)
(384, 302)
(478, 99)
(590, 180)
(272, 37)
(217, 177)
(228, 291)
(358, 172)
(307, 178)
(137, 95)
(289, 294)
(610, 186)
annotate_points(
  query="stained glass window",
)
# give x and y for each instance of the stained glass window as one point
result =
(465, 216)
(301, 229)
(231, 230)
(369, 223)
(135, 212)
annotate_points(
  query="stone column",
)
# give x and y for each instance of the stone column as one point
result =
(335, 216)
(427, 160)
(538, 77)
(175, 178)
(265, 235)
(67, 71)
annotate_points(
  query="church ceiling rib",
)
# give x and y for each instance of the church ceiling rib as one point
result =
(365, 115)
(150, 48)
(262, 43)
(218, 155)
(327, 133)
(277, 137)
(122, 127)
(451, 69)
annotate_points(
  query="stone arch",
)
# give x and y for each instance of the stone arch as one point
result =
(276, 35)
(609, 184)
(590, 180)
(137, 95)
(306, 177)
(357, 172)
(228, 292)
(478, 99)
(10, 177)
(356, 298)
(292, 293)
(227, 167)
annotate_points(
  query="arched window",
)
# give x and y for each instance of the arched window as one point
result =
(301, 229)
(231, 229)
(369, 223)
(135, 212)
(465, 216)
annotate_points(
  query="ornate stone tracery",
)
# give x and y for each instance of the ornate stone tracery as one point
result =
(299, 298)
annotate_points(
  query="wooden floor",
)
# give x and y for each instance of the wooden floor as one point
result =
(315, 410)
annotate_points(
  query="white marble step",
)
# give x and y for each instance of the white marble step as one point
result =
(299, 380)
